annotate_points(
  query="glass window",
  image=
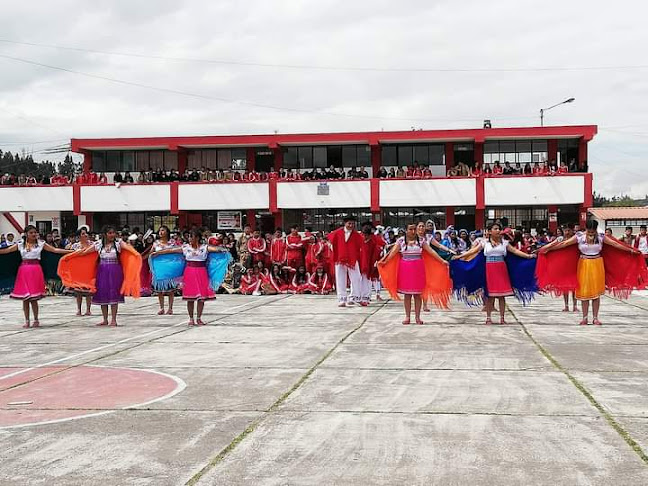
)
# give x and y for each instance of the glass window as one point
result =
(421, 154)
(142, 160)
(405, 155)
(523, 146)
(209, 159)
(507, 146)
(194, 159)
(491, 147)
(349, 156)
(291, 158)
(389, 156)
(364, 156)
(239, 159)
(99, 161)
(510, 157)
(436, 154)
(524, 157)
(156, 159)
(319, 157)
(305, 157)
(112, 161)
(128, 161)
(539, 145)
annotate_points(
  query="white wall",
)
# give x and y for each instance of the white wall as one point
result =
(53, 217)
(7, 227)
(342, 194)
(234, 195)
(153, 197)
(427, 192)
(528, 191)
(30, 199)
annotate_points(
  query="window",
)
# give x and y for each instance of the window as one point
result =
(364, 156)
(128, 161)
(349, 156)
(113, 161)
(305, 155)
(421, 154)
(320, 157)
(514, 151)
(99, 161)
(406, 155)
(291, 158)
(239, 159)
(389, 156)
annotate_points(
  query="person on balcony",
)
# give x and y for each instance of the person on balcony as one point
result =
(392, 173)
(508, 170)
(417, 172)
(488, 170)
(427, 172)
(400, 173)
(517, 170)
(537, 169)
(382, 173)
(497, 169)
(527, 169)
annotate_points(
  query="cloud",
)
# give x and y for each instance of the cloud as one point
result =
(414, 34)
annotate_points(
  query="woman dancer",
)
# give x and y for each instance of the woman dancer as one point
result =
(30, 281)
(110, 273)
(419, 272)
(619, 271)
(167, 287)
(196, 287)
(425, 231)
(79, 293)
(498, 281)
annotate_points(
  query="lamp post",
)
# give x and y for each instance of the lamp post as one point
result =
(542, 110)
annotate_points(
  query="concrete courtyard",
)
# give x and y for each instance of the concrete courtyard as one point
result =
(292, 390)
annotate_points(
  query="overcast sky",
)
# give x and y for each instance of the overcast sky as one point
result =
(40, 104)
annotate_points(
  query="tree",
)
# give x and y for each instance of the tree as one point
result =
(68, 167)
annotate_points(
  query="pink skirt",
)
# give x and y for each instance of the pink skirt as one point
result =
(411, 276)
(196, 284)
(30, 282)
(498, 282)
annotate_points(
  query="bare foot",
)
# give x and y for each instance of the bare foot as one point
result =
(78, 313)
(419, 322)
(406, 322)
(88, 313)
(102, 323)
(113, 324)
(566, 309)
(426, 309)
(36, 324)
(200, 322)
(191, 322)
(170, 312)
(26, 325)
(161, 312)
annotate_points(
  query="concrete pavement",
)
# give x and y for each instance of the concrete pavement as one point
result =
(293, 390)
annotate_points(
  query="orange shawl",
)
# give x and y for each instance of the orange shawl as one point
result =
(438, 285)
(79, 271)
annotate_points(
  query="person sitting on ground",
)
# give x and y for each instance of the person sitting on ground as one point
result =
(250, 283)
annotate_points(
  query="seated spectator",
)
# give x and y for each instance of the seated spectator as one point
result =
(141, 178)
(117, 178)
(319, 282)
(400, 173)
(409, 172)
(382, 173)
(477, 171)
(31, 181)
(488, 170)
(204, 175)
(497, 168)
(351, 174)
(537, 170)
(562, 169)
(427, 172)
(392, 173)
(463, 170)
(453, 171)
(517, 169)
(331, 173)
(128, 178)
(300, 282)
(508, 170)
(340, 173)
(250, 283)
(527, 169)
(320, 174)
(552, 167)
(22, 180)
(102, 178)
(573, 165)
(417, 172)
(45, 180)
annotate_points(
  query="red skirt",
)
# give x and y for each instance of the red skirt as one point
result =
(30, 282)
(196, 284)
(498, 282)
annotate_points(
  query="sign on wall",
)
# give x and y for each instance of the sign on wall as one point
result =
(323, 189)
(230, 220)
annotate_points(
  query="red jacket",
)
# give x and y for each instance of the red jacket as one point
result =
(369, 255)
(346, 252)
(278, 251)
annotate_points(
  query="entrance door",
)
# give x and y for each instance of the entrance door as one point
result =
(43, 228)
(263, 161)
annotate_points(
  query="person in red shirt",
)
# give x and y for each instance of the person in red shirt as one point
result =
(537, 170)
(308, 239)
(275, 282)
(295, 248)
(300, 281)
(278, 248)
(272, 175)
(497, 169)
(347, 244)
(427, 173)
(103, 179)
(369, 255)
(319, 282)
(317, 253)
(417, 173)
(562, 169)
(409, 172)
(250, 283)
(257, 247)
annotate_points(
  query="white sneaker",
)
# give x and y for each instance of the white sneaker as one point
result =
(256, 292)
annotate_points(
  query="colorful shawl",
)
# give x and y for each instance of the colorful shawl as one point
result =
(167, 270)
(217, 264)
(438, 286)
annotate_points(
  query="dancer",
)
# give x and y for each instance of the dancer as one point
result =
(29, 283)
(346, 242)
(320, 283)
(591, 269)
(81, 294)
(117, 275)
(413, 268)
(202, 275)
(164, 287)
(496, 283)
(567, 233)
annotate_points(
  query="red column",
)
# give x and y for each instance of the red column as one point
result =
(479, 219)
(87, 161)
(552, 214)
(552, 149)
(449, 157)
(582, 153)
(450, 215)
(376, 158)
(76, 199)
(250, 164)
(251, 218)
(174, 198)
(375, 194)
(479, 153)
(588, 197)
(278, 219)
(278, 158)
(88, 218)
(182, 161)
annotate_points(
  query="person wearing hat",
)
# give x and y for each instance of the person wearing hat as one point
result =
(347, 244)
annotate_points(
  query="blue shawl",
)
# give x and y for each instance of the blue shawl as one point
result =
(167, 270)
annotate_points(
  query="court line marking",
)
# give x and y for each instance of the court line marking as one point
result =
(180, 386)
(106, 346)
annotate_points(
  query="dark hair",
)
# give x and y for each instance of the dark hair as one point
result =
(272, 271)
(592, 224)
(27, 229)
(81, 230)
(627, 227)
(195, 232)
(643, 226)
(104, 234)
(168, 231)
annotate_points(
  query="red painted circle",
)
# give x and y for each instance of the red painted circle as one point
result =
(41, 395)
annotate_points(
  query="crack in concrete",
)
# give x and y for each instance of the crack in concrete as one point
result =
(625, 435)
(273, 408)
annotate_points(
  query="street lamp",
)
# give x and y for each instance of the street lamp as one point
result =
(542, 110)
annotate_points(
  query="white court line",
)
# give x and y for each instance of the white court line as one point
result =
(181, 385)
(106, 346)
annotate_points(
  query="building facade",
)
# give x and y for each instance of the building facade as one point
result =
(467, 202)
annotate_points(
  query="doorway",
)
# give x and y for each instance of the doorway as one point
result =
(263, 161)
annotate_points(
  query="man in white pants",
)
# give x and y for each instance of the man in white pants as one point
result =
(346, 242)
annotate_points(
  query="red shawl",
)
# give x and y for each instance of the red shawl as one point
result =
(624, 271)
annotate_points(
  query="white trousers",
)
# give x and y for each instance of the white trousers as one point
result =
(341, 273)
(365, 289)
